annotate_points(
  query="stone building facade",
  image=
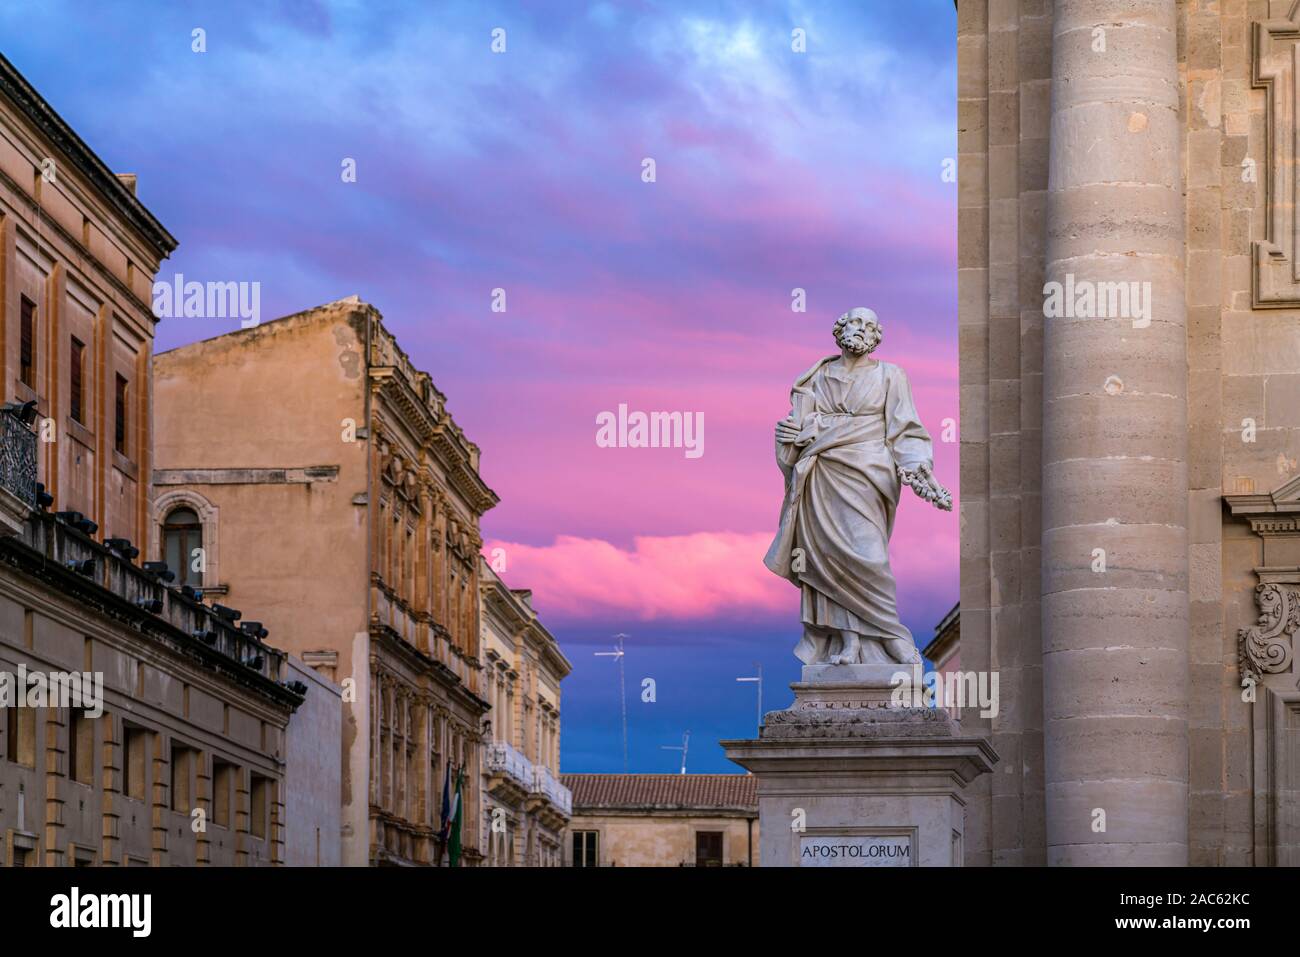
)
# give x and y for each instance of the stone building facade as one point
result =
(172, 752)
(352, 524)
(313, 772)
(944, 650)
(662, 820)
(525, 807)
(1129, 327)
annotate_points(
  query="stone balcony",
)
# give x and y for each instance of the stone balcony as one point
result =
(510, 774)
(57, 550)
(549, 798)
(81, 568)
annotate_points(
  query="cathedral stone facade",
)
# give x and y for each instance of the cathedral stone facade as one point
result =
(1129, 327)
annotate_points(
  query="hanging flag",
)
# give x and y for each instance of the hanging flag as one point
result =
(456, 819)
(444, 821)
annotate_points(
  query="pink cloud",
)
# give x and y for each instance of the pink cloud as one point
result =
(703, 575)
(673, 577)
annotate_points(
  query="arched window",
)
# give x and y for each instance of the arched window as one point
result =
(182, 533)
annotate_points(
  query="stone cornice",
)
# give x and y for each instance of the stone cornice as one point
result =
(437, 434)
(89, 264)
(247, 476)
(60, 135)
(1269, 513)
(521, 619)
(552, 656)
(420, 662)
(423, 410)
(453, 449)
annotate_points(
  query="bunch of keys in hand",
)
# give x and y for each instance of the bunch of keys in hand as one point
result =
(924, 484)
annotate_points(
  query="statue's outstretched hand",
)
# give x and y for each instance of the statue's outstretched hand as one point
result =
(923, 483)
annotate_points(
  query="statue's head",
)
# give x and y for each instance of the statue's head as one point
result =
(858, 331)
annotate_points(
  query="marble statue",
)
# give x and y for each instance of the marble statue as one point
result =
(852, 440)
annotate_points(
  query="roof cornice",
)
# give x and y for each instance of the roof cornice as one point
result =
(43, 117)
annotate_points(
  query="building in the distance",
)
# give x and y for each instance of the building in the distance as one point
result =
(350, 519)
(313, 773)
(662, 820)
(944, 649)
(525, 806)
(165, 742)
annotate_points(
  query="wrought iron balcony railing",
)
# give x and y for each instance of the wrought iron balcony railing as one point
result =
(18, 457)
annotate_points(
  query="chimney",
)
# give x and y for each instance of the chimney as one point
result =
(127, 180)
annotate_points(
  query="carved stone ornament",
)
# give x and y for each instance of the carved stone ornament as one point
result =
(874, 722)
(1267, 647)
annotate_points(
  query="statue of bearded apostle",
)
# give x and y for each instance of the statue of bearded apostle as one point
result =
(852, 440)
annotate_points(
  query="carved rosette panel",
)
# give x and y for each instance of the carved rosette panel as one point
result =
(1266, 649)
(1276, 69)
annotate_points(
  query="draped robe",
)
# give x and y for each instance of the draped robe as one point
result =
(841, 492)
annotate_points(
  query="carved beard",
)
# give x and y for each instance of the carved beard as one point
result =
(856, 343)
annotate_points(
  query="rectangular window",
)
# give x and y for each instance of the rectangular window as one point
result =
(408, 583)
(119, 416)
(81, 748)
(134, 759)
(182, 777)
(20, 856)
(20, 736)
(708, 848)
(259, 798)
(223, 785)
(411, 784)
(27, 359)
(586, 848)
(75, 361)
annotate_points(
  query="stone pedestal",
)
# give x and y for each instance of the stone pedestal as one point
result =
(845, 779)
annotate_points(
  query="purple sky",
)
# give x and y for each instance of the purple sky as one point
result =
(522, 171)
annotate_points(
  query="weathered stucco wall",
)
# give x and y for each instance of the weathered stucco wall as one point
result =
(662, 839)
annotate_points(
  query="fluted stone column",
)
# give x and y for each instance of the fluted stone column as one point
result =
(1114, 563)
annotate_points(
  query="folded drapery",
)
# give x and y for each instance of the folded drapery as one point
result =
(856, 429)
